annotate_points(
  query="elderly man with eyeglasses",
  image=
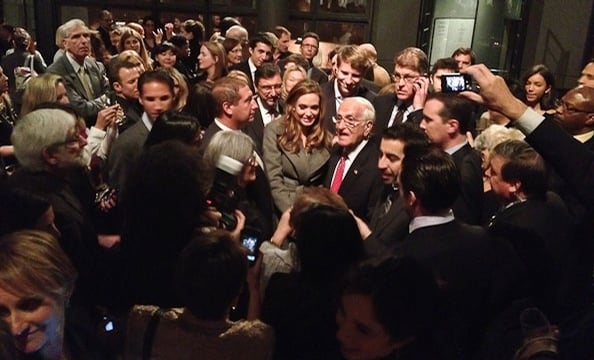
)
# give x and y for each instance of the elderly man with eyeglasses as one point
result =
(352, 168)
(411, 84)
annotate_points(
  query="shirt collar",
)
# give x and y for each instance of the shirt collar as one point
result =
(455, 148)
(221, 125)
(146, 121)
(74, 63)
(584, 137)
(430, 220)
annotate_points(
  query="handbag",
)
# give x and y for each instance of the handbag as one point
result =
(22, 74)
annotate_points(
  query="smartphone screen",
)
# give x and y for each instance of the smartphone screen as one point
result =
(250, 242)
(455, 83)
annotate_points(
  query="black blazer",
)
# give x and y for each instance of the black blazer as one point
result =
(478, 276)
(318, 75)
(387, 230)
(384, 105)
(330, 102)
(361, 186)
(469, 204)
(244, 67)
(572, 160)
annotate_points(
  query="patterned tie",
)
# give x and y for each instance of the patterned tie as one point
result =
(86, 81)
(337, 180)
(399, 114)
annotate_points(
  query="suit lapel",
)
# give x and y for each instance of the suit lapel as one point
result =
(73, 77)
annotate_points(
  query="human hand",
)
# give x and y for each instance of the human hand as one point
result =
(158, 36)
(236, 233)
(108, 241)
(283, 229)
(107, 117)
(493, 92)
(169, 31)
(421, 90)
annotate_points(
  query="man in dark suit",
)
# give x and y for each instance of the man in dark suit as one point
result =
(353, 172)
(446, 119)
(411, 85)
(310, 45)
(123, 78)
(260, 52)
(84, 78)
(156, 97)
(268, 89)
(351, 65)
(477, 274)
(234, 107)
(389, 220)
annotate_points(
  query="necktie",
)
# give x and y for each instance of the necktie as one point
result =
(387, 205)
(86, 81)
(337, 180)
(399, 115)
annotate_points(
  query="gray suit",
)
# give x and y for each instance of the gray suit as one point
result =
(124, 152)
(86, 106)
(289, 172)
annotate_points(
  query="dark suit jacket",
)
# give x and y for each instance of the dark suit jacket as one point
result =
(71, 206)
(255, 129)
(125, 150)
(86, 107)
(572, 160)
(477, 274)
(468, 206)
(387, 230)
(541, 231)
(318, 75)
(361, 186)
(384, 105)
(244, 67)
(330, 102)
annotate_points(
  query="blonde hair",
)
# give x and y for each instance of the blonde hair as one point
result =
(290, 69)
(290, 139)
(33, 261)
(182, 95)
(39, 90)
(217, 51)
(128, 33)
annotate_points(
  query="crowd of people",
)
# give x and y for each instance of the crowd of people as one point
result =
(164, 195)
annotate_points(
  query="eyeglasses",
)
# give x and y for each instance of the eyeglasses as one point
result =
(269, 88)
(349, 122)
(309, 46)
(407, 78)
(71, 141)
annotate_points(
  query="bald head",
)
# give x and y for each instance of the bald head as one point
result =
(237, 32)
(576, 111)
(587, 75)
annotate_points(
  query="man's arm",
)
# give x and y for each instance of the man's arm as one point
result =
(570, 158)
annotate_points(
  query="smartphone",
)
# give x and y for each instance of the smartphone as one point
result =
(250, 239)
(456, 83)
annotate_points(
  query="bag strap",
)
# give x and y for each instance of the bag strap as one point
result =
(32, 63)
(149, 334)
